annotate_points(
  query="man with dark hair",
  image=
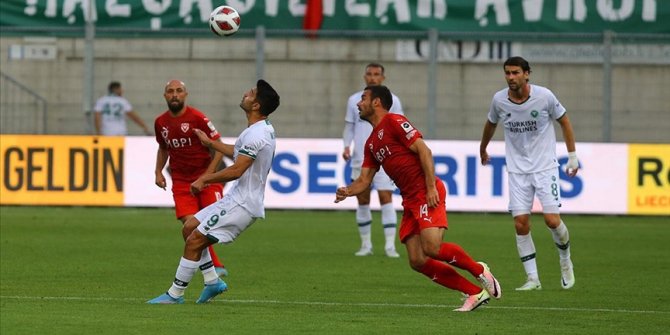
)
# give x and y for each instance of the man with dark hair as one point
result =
(527, 112)
(399, 147)
(357, 131)
(188, 160)
(111, 111)
(224, 220)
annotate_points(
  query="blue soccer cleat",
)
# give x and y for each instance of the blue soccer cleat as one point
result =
(221, 271)
(166, 299)
(211, 291)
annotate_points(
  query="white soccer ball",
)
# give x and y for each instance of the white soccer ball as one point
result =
(224, 21)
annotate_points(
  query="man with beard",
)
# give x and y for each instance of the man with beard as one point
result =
(227, 218)
(189, 160)
(399, 148)
(527, 113)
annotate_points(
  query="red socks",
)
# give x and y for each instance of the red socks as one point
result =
(445, 275)
(455, 255)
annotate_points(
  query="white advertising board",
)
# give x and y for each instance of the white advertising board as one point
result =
(306, 173)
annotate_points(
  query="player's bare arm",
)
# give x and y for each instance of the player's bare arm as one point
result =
(347, 136)
(232, 172)
(359, 185)
(226, 149)
(487, 134)
(346, 154)
(98, 122)
(428, 166)
(136, 118)
(161, 160)
(569, 137)
(217, 156)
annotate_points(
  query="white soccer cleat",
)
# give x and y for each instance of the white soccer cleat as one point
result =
(489, 282)
(364, 251)
(530, 285)
(474, 301)
(567, 274)
(391, 253)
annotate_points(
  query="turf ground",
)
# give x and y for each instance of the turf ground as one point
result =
(90, 271)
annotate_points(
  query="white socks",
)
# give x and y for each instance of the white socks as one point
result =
(389, 221)
(184, 274)
(562, 239)
(364, 220)
(526, 248)
(207, 268)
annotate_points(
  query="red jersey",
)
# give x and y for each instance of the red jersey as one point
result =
(188, 158)
(388, 146)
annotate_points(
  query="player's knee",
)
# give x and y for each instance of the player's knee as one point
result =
(430, 249)
(196, 242)
(186, 231)
(417, 263)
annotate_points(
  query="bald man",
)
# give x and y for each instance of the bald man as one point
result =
(188, 158)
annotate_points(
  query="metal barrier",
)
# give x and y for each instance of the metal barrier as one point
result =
(22, 110)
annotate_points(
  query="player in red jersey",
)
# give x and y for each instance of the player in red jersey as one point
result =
(399, 148)
(188, 158)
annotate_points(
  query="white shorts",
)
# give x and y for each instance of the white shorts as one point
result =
(523, 187)
(224, 220)
(381, 180)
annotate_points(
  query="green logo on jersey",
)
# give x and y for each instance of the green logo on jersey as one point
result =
(534, 113)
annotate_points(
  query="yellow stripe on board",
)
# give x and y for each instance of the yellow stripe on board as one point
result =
(649, 179)
(61, 170)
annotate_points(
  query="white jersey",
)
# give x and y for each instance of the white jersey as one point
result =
(361, 128)
(257, 142)
(113, 109)
(530, 141)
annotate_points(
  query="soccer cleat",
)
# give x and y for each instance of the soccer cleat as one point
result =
(166, 299)
(391, 253)
(221, 271)
(489, 282)
(530, 285)
(364, 251)
(474, 301)
(211, 291)
(567, 274)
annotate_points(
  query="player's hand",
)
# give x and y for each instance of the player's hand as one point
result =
(204, 139)
(572, 166)
(484, 156)
(197, 186)
(346, 154)
(341, 194)
(160, 181)
(432, 197)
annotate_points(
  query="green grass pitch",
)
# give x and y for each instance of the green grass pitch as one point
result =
(90, 271)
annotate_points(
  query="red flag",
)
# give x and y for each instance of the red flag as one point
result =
(313, 15)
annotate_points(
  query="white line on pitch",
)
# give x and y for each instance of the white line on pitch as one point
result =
(361, 304)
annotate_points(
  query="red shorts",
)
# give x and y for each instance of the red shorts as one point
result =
(186, 203)
(418, 216)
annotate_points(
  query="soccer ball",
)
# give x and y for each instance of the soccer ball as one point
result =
(224, 21)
